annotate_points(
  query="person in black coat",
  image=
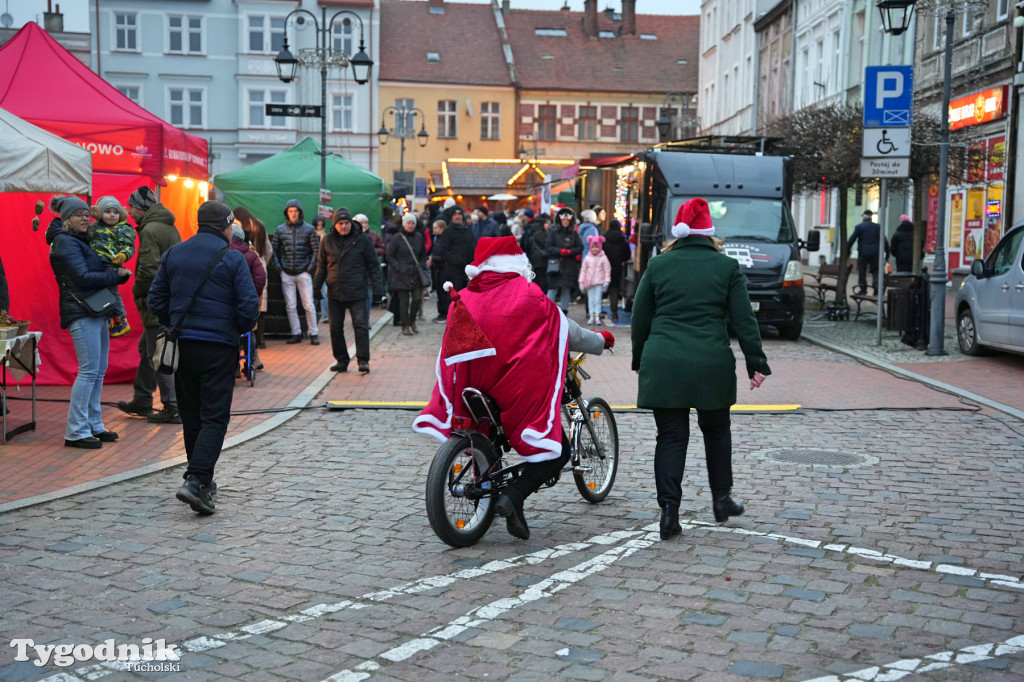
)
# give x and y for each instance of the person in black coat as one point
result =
(406, 257)
(903, 245)
(617, 251)
(80, 273)
(212, 318)
(564, 243)
(452, 253)
(347, 262)
(535, 244)
(5, 295)
(868, 236)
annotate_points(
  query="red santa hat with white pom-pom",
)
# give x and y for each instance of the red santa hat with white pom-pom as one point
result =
(693, 217)
(499, 254)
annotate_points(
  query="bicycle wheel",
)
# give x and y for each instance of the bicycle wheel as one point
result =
(458, 520)
(598, 471)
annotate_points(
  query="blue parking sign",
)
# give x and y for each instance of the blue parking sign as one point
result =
(888, 96)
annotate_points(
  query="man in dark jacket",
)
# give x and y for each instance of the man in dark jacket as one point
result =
(295, 247)
(484, 227)
(157, 234)
(868, 236)
(225, 306)
(454, 252)
(346, 262)
(903, 245)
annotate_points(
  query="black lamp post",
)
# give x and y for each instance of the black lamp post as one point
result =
(324, 56)
(665, 122)
(524, 152)
(937, 278)
(896, 15)
(404, 121)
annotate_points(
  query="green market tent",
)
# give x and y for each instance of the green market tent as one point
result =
(265, 186)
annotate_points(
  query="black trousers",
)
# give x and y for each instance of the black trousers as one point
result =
(205, 384)
(865, 262)
(409, 303)
(360, 325)
(536, 474)
(670, 451)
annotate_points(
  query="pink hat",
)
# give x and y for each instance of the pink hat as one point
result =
(693, 217)
(904, 218)
(595, 239)
(498, 254)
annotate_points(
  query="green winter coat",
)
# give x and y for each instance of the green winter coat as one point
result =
(157, 233)
(683, 304)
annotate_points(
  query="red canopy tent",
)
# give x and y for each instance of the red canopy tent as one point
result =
(44, 84)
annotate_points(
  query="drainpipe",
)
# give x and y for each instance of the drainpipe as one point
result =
(370, 132)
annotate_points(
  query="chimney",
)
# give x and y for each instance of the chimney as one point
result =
(505, 8)
(629, 17)
(590, 18)
(53, 22)
(436, 4)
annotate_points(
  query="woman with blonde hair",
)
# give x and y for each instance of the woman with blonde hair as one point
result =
(256, 236)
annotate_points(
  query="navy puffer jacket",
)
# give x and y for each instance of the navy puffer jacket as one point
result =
(227, 305)
(79, 272)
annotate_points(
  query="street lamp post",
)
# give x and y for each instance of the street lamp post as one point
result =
(404, 121)
(523, 152)
(323, 56)
(664, 121)
(936, 337)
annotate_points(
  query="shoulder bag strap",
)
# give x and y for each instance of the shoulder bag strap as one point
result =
(202, 280)
(409, 246)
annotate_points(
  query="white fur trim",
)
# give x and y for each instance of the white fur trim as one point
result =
(518, 264)
(448, 286)
(471, 355)
(426, 423)
(680, 230)
(552, 448)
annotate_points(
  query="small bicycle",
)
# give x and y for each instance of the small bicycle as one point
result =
(468, 471)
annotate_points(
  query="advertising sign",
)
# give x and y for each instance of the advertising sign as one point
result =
(987, 105)
(956, 219)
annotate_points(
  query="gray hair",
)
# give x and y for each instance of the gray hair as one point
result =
(588, 216)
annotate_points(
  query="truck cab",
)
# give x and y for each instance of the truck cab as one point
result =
(749, 196)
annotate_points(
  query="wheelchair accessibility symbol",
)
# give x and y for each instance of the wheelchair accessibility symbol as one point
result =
(885, 145)
(886, 142)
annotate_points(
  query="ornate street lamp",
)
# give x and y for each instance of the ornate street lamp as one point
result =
(324, 56)
(668, 124)
(896, 15)
(403, 123)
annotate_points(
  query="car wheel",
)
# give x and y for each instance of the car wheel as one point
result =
(790, 332)
(967, 333)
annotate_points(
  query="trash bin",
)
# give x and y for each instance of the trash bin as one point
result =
(897, 309)
(915, 313)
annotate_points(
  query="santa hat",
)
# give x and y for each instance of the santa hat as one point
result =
(463, 338)
(693, 217)
(499, 254)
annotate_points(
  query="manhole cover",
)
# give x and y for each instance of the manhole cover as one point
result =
(810, 456)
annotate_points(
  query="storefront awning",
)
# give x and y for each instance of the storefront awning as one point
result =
(606, 161)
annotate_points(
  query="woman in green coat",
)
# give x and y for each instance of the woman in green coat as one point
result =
(685, 302)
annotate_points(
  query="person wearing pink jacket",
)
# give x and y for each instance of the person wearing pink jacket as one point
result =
(595, 275)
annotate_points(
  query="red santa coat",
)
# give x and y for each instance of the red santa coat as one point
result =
(523, 370)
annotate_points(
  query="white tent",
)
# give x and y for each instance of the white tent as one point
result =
(33, 160)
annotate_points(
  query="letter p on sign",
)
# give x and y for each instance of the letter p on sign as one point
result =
(888, 96)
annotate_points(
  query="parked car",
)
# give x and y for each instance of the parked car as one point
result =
(990, 304)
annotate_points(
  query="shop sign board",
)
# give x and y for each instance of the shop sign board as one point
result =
(981, 107)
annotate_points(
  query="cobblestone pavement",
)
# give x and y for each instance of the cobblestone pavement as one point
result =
(320, 563)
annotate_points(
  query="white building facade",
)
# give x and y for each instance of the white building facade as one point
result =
(727, 68)
(207, 66)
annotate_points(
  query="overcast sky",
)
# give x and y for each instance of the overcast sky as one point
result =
(76, 12)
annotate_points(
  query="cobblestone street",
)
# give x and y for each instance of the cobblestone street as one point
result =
(320, 563)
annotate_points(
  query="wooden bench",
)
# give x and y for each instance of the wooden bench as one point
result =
(890, 282)
(826, 280)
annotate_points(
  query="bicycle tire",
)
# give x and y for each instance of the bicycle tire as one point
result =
(459, 521)
(594, 485)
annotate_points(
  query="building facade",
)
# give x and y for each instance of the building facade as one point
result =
(207, 66)
(727, 69)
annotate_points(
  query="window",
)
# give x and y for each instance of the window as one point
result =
(185, 34)
(547, 122)
(130, 91)
(341, 112)
(447, 119)
(939, 33)
(433, 57)
(605, 34)
(629, 124)
(125, 31)
(1002, 9)
(258, 99)
(405, 126)
(341, 36)
(490, 121)
(185, 107)
(586, 125)
(648, 36)
(266, 34)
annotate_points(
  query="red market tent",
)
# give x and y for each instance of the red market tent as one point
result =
(46, 85)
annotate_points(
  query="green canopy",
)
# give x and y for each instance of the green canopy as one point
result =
(265, 186)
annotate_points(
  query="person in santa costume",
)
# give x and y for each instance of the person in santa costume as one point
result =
(506, 338)
(685, 302)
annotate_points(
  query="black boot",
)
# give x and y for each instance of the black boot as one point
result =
(511, 507)
(530, 479)
(670, 521)
(724, 506)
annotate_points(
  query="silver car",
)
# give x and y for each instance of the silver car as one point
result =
(990, 304)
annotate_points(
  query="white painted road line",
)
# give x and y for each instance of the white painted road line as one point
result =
(917, 666)
(545, 588)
